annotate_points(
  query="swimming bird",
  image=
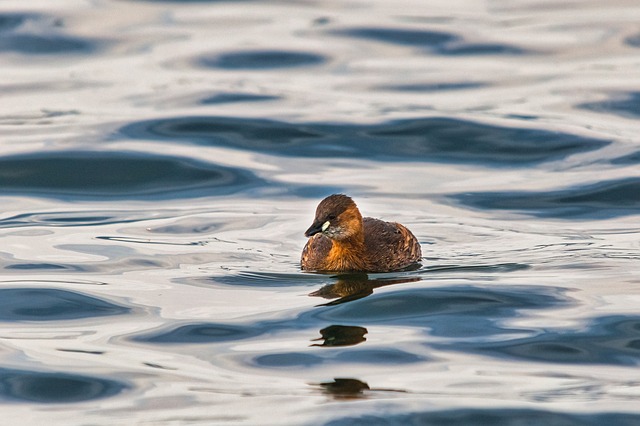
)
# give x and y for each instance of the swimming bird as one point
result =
(340, 239)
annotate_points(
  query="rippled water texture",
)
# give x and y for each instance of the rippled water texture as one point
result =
(160, 161)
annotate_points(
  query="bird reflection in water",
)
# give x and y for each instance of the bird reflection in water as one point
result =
(343, 388)
(349, 287)
(341, 335)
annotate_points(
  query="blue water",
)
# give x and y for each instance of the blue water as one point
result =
(160, 161)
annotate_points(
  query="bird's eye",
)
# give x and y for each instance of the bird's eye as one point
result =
(331, 217)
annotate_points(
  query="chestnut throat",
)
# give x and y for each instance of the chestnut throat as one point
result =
(349, 253)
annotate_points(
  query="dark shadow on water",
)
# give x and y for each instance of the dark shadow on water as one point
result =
(445, 311)
(287, 360)
(68, 219)
(358, 355)
(475, 49)
(98, 175)
(633, 41)
(475, 269)
(248, 134)
(624, 104)
(380, 355)
(261, 60)
(628, 160)
(450, 312)
(46, 304)
(199, 333)
(351, 286)
(10, 21)
(490, 417)
(82, 351)
(42, 36)
(45, 45)
(611, 340)
(432, 87)
(228, 98)
(602, 200)
(405, 37)
(438, 42)
(32, 266)
(456, 313)
(259, 279)
(334, 337)
(422, 139)
(55, 388)
(147, 241)
(466, 141)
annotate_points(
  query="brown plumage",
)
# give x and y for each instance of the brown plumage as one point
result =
(341, 240)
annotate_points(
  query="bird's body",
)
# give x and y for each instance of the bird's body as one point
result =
(341, 240)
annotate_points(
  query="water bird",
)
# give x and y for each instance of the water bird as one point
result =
(340, 239)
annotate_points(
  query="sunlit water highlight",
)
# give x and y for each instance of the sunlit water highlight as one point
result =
(161, 159)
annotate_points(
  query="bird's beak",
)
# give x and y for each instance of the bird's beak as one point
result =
(316, 228)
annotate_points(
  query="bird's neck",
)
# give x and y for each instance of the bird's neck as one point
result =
(348, 254)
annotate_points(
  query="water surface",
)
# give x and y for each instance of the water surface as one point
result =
(160, 161)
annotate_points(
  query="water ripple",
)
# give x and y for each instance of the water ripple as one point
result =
(491, 417)
(227, 98)
(58, 388)
(406, 37)
(33, 44)
(482, 49)
(39, 266)
(433, 87)
(446, 311)
(421, 139)
(613, 340)
(199, 333)
(68, 219)
(261, 279)
(91, 174)
(288, 360)
(624, 104)
(601, 200)
(379, 356)
(261, 60)
(633, 40)
(46, 304)
(456, 311)
(10, 21)
(440, 42)
(631, 159)
(40, 37)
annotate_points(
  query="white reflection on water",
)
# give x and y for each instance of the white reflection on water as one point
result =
(162, 159)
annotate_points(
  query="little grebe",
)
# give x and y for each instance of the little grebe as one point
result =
(341, 240)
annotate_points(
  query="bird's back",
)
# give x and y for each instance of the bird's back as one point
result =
(389, 245)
